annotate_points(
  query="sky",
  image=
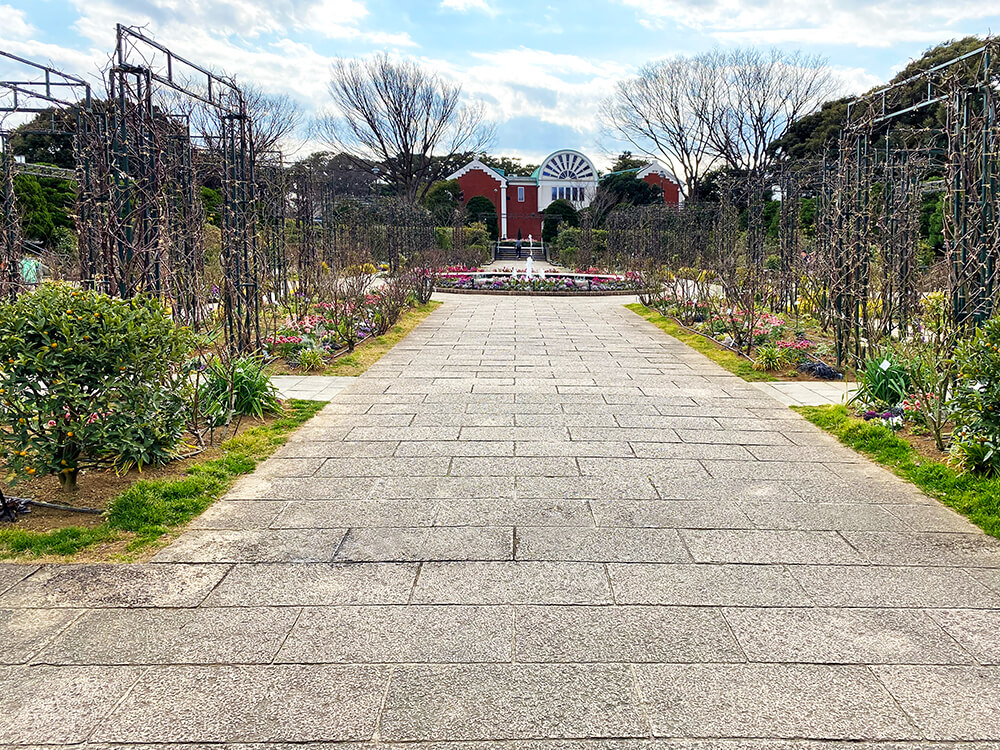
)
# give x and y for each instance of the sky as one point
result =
(541, 68)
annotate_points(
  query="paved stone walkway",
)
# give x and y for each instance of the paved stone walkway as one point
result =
(537, 523)
(808, 392)
(311, 387)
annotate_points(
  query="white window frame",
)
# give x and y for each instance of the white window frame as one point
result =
(520, 195)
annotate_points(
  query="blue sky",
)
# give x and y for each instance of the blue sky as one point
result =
(540, 67)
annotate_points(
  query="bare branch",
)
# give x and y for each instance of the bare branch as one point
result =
(402, 117)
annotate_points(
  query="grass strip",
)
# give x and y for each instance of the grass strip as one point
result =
(721, 356)
(370, 352)
(150, 509)
(975, 497)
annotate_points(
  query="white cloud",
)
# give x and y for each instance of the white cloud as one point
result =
(339, 19)
(246, 19)
(559, 92)
(855, 81)
(881, 23)
(15, 23)
(463, 6)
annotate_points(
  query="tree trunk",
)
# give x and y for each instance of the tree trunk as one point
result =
(67, 480)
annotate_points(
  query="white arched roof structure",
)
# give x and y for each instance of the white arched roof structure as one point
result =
(566, 174)
(567, 165)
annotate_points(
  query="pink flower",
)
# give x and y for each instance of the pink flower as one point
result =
(51, 423)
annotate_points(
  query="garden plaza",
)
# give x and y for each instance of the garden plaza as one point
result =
(498, 508)
(533, 518)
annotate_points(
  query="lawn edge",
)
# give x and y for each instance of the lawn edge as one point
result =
(976, 498)
(726, 359)
(275, 435)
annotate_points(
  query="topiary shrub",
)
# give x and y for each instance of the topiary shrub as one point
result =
(482, 211)
(569, 257)
(89, 381)
(558, 214)
(443, 237)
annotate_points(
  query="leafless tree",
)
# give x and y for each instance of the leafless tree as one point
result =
(749, 97)
(273, 117)
(656, 113)
(725, 106)
(404, 118)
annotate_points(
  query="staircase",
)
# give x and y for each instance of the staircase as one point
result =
(507, 250)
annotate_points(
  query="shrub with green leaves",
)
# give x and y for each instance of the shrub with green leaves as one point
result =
(977, 391)
(975, 452)
(89, 381)
(239, 387)
(976, 401)
(884, 381)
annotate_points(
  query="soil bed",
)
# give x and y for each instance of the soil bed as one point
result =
(98, 488)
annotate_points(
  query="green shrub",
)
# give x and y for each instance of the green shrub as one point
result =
(239, 387)
(482, 211)
(568, 237)
(976, 402)
(443, 237)
(89, 381)
(477, 234)
(600, 239)
(975, 453)
(569, 257)
(884, 380)
(558, 214)
(977, 391)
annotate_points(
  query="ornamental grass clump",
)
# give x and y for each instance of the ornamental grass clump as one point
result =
(89, 381)
(236, 388)
(770, 358)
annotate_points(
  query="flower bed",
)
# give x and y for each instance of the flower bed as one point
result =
(770, 342)
(566, 283)
(319, 331)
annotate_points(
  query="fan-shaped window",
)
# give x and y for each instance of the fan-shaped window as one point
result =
(567, 165)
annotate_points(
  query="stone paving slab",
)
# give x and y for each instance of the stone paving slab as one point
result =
(434, 634)
(244, 635)
(297, 703)
(844, 636)
(504, 702)
(310, 387)
(808, 393)
(534, 524)
(755, 700)
(115, 586)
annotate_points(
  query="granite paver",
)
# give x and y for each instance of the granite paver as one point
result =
(535, 524)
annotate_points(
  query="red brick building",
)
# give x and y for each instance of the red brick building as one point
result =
(520, 201)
